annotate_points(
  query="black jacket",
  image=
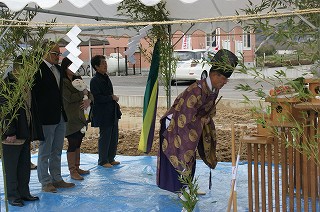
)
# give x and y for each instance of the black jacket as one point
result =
(106, 111)
(19, 126)
(48, 95)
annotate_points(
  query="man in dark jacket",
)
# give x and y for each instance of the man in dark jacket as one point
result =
(48, 94)
(106, 112)
(16, 138)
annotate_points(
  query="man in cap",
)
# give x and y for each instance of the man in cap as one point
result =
(188, 125)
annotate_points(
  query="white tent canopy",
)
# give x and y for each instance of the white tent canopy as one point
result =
(86, 13)
(17, 5)
(90, 15)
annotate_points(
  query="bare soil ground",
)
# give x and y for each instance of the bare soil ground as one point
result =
(130, 129)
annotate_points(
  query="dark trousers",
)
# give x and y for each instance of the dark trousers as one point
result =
(16, 160)
(108, 142)
(74, 141)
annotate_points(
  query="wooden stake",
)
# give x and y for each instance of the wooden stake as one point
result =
(233, 193)
(233, 141)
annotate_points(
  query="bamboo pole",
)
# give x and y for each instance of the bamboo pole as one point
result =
(4, 178)
(233, 195)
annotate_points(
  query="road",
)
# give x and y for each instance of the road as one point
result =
(135, 85)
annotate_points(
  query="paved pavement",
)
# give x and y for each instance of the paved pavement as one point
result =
(135, 86)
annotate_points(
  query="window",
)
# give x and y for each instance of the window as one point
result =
(213, 40)
(246, 40)
(188, 55)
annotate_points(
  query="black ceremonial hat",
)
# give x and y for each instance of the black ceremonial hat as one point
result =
(224, 62)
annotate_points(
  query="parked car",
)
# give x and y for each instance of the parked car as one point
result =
(191, 65)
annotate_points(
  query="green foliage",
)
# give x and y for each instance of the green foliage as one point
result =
(14, 94)
(189, 193)
(266, 49)
(288, 60)
(289, 32)
(299, 33)
(137, 11)
(32, 57)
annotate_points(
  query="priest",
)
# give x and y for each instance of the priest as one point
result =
(188, 125)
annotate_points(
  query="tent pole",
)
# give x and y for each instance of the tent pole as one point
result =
(97, 18)
(300, 16)
(183, 35)
(263, 42)
(8, 27)
(306, 21)
(169, 63)
(90, 58)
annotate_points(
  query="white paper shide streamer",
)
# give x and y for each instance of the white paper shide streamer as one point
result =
(133, 43)
(72, 47)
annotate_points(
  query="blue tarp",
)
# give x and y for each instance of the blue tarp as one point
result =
(131, 186)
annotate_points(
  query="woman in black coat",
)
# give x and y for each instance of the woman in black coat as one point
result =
(24, 128)
(106, 112)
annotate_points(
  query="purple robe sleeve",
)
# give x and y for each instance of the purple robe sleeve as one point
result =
(189, 112)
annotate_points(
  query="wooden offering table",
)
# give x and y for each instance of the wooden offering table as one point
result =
(260, 182)
(309, 157)
(288, 176)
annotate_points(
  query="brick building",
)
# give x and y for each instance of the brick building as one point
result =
(240, 42)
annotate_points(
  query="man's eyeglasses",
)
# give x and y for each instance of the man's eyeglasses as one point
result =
(56, 53)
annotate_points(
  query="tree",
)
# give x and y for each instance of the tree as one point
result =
(294, 32)
(12, 43)
(266, 49)
(137, 11)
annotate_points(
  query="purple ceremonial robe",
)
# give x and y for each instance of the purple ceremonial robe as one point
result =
(186, 132)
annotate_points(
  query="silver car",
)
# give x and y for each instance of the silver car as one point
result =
(191, 65)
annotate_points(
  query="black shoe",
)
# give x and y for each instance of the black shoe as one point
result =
(16, 202)
(30, 198)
